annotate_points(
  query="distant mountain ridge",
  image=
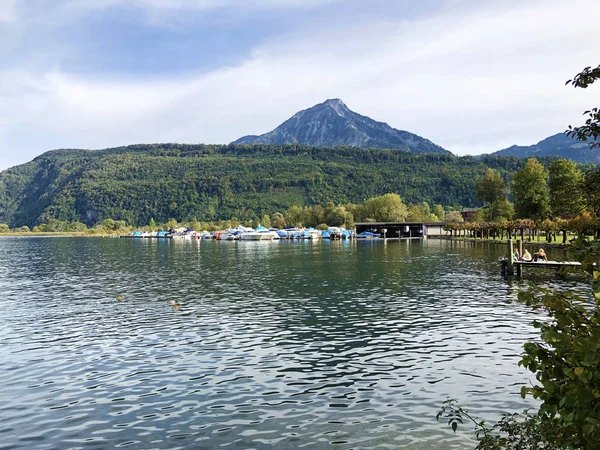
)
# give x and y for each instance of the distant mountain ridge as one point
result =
(332, 123)
(559, 145)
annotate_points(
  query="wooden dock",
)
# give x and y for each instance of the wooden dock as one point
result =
(519, 265)
(508, 266)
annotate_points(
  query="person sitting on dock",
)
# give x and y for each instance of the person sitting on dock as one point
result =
(540, 255)
(526, 256)
(516, 256)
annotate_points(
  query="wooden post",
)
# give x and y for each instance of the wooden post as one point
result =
(520, 247)
(511, 262)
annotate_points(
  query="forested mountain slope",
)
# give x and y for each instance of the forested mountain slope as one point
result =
(209, 182)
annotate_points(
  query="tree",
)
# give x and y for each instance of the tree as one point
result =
(453, 217)
(503, 210)
(438, 211)
(591, 191)
(420, 213)
(4, 228)
(386, 208)
(591, 129)
(77, 226)
(266, 220)
(530, 191)
(565, 186)
(110, 225)
(491, 189)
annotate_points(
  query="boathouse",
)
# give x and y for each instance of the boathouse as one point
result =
(398, 230)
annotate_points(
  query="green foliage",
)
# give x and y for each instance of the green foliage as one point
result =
(567, 360)
(514, 432)
(77, 227)
(110, 225)
(591, 129)
(565, 185)
(491, 189)
(215, 182)
(503, 210)
(453, 217)
(4, 228)
(511, 432)
(591, 190)
(54, 226)
(439, 213)
(386, 208)
(530, 191)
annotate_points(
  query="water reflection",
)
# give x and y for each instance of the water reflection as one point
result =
(253, 344)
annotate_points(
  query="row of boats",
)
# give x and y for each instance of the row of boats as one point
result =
(259, 233)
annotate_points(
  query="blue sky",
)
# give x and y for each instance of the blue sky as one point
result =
(472, 76)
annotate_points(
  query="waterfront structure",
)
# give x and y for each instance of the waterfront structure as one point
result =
(400, 230)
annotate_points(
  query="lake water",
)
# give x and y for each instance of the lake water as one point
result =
(156, 344)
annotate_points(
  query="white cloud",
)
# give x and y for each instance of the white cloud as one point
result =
(471, 82)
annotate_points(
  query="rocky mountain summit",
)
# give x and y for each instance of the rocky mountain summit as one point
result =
(332, 123)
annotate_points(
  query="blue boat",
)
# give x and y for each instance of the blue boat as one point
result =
(368, 235)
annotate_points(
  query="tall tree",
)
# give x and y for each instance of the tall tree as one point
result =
(565, 185)
(438, 211)
(530, 191)
(491, 189)
(503, 210)
(386, 208)
(591, 191)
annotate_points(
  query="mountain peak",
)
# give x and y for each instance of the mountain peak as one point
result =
(332, 123)
(337, 105)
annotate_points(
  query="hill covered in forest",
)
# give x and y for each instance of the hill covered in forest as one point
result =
(209, 182)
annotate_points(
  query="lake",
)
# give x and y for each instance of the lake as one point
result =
(149, 344)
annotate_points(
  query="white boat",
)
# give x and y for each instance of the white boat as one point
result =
(258, 234)
(313, 234)
(266, 234)
(248, 234)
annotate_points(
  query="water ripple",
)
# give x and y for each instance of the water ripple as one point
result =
(150, 344)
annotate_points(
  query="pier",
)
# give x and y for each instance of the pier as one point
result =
(508, 266)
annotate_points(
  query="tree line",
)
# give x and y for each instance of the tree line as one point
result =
(385, 208)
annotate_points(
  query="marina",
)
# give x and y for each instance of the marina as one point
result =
(366, 230)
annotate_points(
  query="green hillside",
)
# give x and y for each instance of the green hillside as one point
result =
(209, 182)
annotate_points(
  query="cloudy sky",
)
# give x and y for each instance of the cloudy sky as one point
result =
(473, 76)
